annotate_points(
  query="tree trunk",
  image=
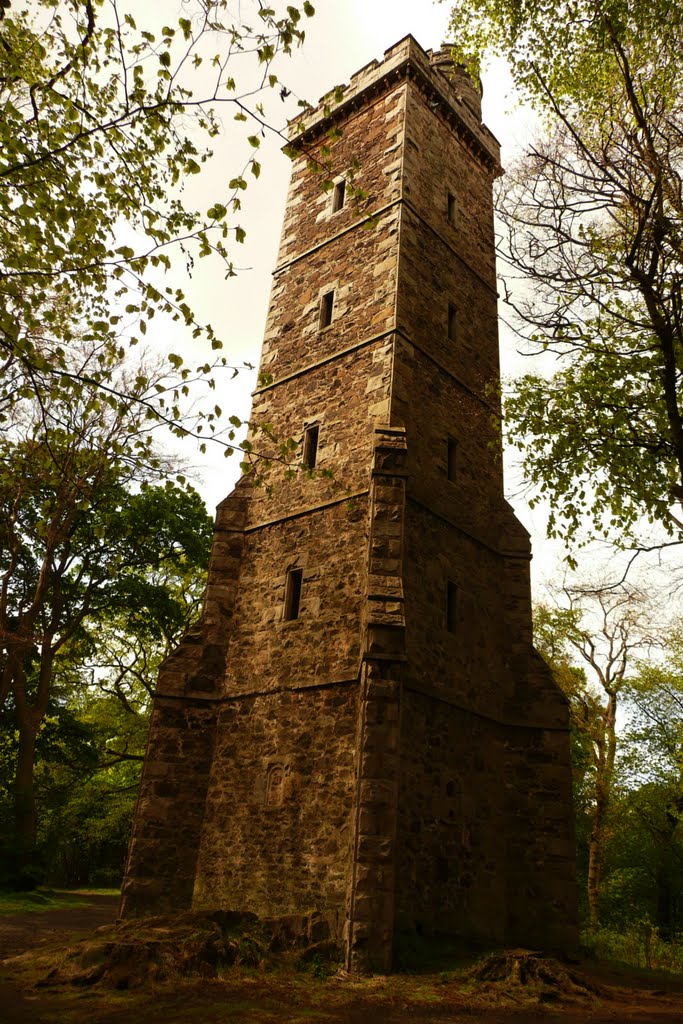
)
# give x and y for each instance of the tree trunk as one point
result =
(24, 788)
(604, 775)
(29, 719)
(596, 845)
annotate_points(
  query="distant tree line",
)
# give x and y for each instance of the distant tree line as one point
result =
(623, 678)
(102, 567)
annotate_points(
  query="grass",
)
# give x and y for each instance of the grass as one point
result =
(48, 899)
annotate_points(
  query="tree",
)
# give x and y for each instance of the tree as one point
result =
(604, 629)
(90, 745)
(653, 762)
(592, 228)
(655, 729)
(66, 754)
(86, 538)
(130, 641)
(64, 579)
(102, 124)
(643, 878)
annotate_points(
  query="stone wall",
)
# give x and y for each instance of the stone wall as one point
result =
(373, 880)
(439, 160)
(368, 153)
(484, 851)
(436, 409)
(363, 304)
(323, 643)
(540, 852)
(167, 824)
(277, 832)
(452, 825)
(344, 397)
(466, 665)
(162, 855)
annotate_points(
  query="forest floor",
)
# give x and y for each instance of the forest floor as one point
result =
(31, 944)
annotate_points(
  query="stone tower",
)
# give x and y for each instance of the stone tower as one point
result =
(360, 726)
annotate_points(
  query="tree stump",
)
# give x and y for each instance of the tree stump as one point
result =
(535, 975)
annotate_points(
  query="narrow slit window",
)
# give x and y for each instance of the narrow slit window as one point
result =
(326, 307)
(338, 196)
(452, 318)
(310, 445)
(450, 208)
(452, 459)
(452, 608)
(293, 593)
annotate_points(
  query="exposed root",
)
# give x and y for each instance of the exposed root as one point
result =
(528, 974)
(156, 949)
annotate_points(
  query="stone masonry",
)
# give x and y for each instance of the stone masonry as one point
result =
(359, 732)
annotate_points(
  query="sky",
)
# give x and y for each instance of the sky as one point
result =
(343, 36)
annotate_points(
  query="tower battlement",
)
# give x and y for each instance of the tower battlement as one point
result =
(451, 89)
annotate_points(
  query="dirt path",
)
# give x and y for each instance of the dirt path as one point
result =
(21, 932)
(267, 998)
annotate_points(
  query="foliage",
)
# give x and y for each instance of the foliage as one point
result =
(65, 753)
(568, 55)
(643, 863)
(103, 124)
(92, 552)
(637, 944)
(603, 630)
(627, 720)
(654, 737)
(83, 835)
(591, 231)
(652, 767)
(90, 746)
(84, 828)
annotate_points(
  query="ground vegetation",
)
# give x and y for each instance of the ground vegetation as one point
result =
(620, 670)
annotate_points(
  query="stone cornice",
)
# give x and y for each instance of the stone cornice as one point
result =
(422, 689)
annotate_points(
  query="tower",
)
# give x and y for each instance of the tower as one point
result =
(360, 727)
